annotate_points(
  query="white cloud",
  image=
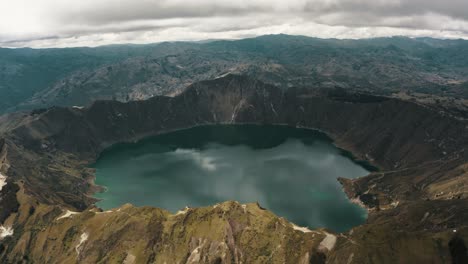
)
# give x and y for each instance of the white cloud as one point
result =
(57, 23)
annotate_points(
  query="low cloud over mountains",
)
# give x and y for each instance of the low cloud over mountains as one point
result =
(52, 23)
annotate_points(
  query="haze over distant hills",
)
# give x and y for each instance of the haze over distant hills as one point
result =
(34, 78)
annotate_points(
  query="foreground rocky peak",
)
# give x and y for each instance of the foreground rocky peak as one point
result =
(224, 233)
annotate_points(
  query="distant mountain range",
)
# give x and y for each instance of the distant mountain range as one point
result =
(31, 78)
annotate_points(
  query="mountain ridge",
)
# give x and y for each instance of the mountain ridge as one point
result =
(420, 151)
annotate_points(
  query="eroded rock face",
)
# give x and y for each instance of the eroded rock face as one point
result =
(419, 151)
(225, 233)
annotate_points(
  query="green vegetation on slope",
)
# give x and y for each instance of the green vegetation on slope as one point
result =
(37, 78)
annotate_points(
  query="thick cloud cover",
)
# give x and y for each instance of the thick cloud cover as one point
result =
(56, 23)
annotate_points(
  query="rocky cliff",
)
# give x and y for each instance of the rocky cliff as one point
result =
(417, 201)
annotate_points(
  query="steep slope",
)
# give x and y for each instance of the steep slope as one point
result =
(142, 78)
(415, 202)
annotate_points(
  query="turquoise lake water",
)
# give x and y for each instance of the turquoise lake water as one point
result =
(290, 171)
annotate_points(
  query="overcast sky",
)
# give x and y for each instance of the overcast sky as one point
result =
(64, 23)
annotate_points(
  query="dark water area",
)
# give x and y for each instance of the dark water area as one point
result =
(292, 172)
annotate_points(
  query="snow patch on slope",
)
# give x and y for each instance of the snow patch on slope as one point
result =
(67, 214)
(302, 229)
(2, 181)
(83, 239)
(5, 232)
(182, 212)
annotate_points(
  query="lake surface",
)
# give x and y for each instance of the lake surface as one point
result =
(292, 172)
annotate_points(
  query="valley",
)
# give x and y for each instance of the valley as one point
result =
(138, 72)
